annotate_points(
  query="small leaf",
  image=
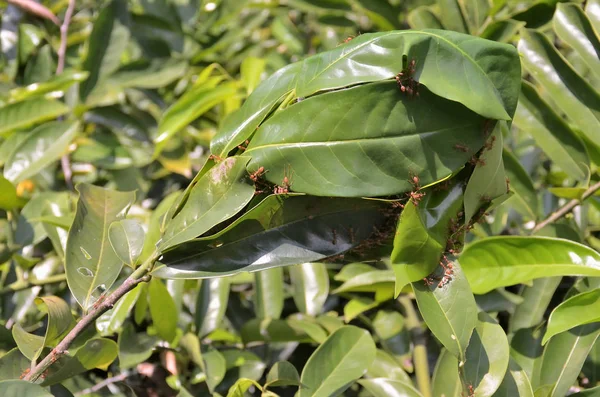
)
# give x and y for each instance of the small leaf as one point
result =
(496, 262)
(341, 359)
(57, 83)
(387, 366)
(423, 18)
(382, 387)
(27, 113)
(9, 199)
(446, 381)
(215, 367)
(268, 295)
(91, 264)
(127, 240)
(536, 298)
(282, 373)
(162, 310)
(241, 386)
(134, 348)
(211, 304)
(19, 388)
(310, 282)
(578, 310)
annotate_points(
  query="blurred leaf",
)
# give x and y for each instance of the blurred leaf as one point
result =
(134, 348)
(577, 310)
(268, 295)
(111, 321)
(27, 113)
(241, 386)
(522, 185)
(452, 15)
(515, 383)
(58, 83)
(17, 388)
(387, 366)
(211, 304)
(357, 306)
(217, 196)
(341, 359)
(13, 364)
(592, 10)
(90, 263)
(423, 18)
(449, 311)
(127, 240)
(154, 74)
(251, 69)
(507, 260)
(446, 381)
(43, 146)
(502, 31)
(9, 199)
(536, 298)
(308, 326)
(162, 310)
(282, 373)
(551, 133)
(379, 281)
(382, 387)
(487, 356)
(214, 364)
(310, 284)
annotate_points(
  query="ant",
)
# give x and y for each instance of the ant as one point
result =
(244, 145)
(490, 145)
(471, 391)
(461, 147)
(255, 176)
(405, 81)
(285, 186)
(507, 184)
(477, 161)
(215, 158)
(98, 302)
(416, 195)
(25, 373)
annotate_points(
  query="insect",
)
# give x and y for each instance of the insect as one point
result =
(461, 147)
(286, 183)
(334, 240)
(244, 145)
(255, 176)
(475, 160)
(416, 195)
(489, 145)
(24, 374)
(405, 81)
(98, 302)
(215, 158)
(507, 185)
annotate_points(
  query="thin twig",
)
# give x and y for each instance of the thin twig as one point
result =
(565, 209)
(134, 279)
(106, 382)
(65, 163)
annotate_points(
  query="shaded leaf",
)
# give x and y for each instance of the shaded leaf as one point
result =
(382, 387)
(446, 381)
(215, 368)
(282, 373)
(27, 113)
(211, 304)
(268, 295)
(522, 185)
(515, 383)
(310, 282)
(162, 310)
(17, 388)
(127, 240)
(134, 348)
(577, 310)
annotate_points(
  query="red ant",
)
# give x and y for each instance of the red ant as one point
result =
(215, 158)
(507, 185)
(405, 81)
(462, 148)
(98, 302)
(255, 176)
(471, 391)
(415, 196)
(25, 373)
(244, 145)
(490, 145)
(487, 127)
(285, 186)
(477, 161)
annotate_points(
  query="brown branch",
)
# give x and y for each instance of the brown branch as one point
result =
(89, 318)
(565, 209)
(106, 382)
(34, 8)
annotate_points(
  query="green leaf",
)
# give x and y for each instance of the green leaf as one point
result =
(9, 199)
(452, 14)
(250, 70)
(162, 310)
(473, 64)
(274, 331)
(108, 40)
(593, 392)
(95, 353)
(592, 10)
(423, 18)
(496, 262)
(387, 366)
(340, 360)
(515, 383)
(91, 264)
(134, 348)
(111, 321)
(217, 196)
(27, 113)
(188, 108)
(310, 283)
(564, 356)
(525, 198)
(502, 31)
(127, 240)
(281, 230)
(526, 349)
(241, 386)
(211, 304)
(17, 388)
(551, 133)
(215, 367)
(282, 373)
(450, 312)
(382, 387)
(308, 326)
(571, 92)
(268, 295)
(446, 381)
(157, 73)
(536, 298)
(57, 83)
(487, 357)
(13, 364)
(574, 28)
(379, 281)
(29, 344)
(43, 146)
(323, 147)
(358, 306)
(577, 310)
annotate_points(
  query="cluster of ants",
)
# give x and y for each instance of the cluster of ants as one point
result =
(256, 177)
(405, 81)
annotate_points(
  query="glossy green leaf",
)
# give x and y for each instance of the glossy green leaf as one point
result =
(111, 321)
(9, 199)
(44, 145)
(162, 310)
(27, 113)
(241, 386)
(358, 306)
(217, 196)
(273, 331)
(211, 304)
(378, 281)
(95, 353)
(215, 367)
(91, 264)
(551, 133)
(282, 373)
(308, 326)
(473, 61)
(452, 15)
(341, 359)
(18, 388)
(515, 383)
(268, 295)
(30, 345)
(57, 83)
(503, 30)
(387, 366)
(310, 283)
(564, 356)
(592, 10)
(323, 147)
(450, 312)
(536, 298)
(134, 348)
(107, 41)
(573, 27)
(520, 183)
(382, 387)
(281, 230)
(487, 357)
(127, 240)
(575, 96)
(446, 381)
(501, 261)
(13, 364)
(577, 310)
(423, 18)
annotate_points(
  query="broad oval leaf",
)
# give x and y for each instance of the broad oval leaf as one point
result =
(310, 282)
(578, 310)
(450, 312)
(127, 240)
(382, 387)
(552, 134)
(18, 388)
(341, 359)
(215, 367)
(324, 148)
(217, 196)
(496, 262)
(9, 199)
(91, 264)
(26, 113)
(281, 230)
(283, 373)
